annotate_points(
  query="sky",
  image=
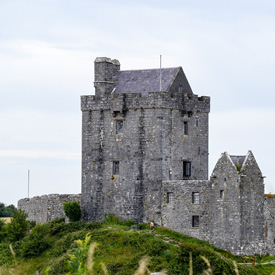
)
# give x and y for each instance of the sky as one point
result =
(47, 50)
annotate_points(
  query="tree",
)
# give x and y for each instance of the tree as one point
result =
(10, 210)
(18, 227)
(7, 211)
(72, 211)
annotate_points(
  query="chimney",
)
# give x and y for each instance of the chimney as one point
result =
(105, 73)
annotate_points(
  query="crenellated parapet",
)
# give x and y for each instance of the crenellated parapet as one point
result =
(187, 103)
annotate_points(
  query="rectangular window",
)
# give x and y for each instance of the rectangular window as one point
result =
(195, 221)
(197, 123)
(185, 127)
(196, 197)
(119, 126)
(115, 167)
(221, 194)
(170, 197)
(186, 168)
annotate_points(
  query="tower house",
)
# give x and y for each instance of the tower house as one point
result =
(135, 136)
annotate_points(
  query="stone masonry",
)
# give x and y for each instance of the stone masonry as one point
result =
(145, 157)
(46, 208)
(160, 130)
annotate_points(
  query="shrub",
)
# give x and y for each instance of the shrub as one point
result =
(35, 243)
(78, 259)
(2, 224)
(18, 227)
(72, 210)
(112, 219)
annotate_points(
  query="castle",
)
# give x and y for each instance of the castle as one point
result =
(145, 157)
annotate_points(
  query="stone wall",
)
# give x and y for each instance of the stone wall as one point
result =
(252, 207)
(225, 210)
(269, 214)
(47, 207)
(237, 206)
(179, 206)
(151, 148)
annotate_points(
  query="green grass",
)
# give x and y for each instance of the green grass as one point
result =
(119, 248)
(265, 269)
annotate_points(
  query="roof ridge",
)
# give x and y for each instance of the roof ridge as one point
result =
(149, 69)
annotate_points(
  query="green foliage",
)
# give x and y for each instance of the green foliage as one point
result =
(72, 211)
(18, 227)
(2, 224)
(179, 264)
(7, 211)
(239, 167)
(36, 242)
(63, 228)
(60, 247)
(112, 219)
(58, 220)
(265, 269)
(5, 254)
(77, 262)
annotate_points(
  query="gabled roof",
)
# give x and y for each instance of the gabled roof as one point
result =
(144, 81)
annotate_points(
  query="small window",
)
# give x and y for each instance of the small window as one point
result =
(170, 197)
(221, 194)
(115, 167)
(186, 169)
(180, 88)
(195, 221)
(196, 197)
(185, 127)
(197, 123)
(119, 127)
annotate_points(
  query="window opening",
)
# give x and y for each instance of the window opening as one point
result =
(116, 167)
(119, 126)
(195, 221)
(195, 197)
(185, 127)
(186, 168)
(180, 88)
(221, 194)
(170, 197)
(197, 123)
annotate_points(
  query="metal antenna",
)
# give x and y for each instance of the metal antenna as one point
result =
(160, 75)
(28, 184)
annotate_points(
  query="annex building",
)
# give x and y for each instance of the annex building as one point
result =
(145, 157)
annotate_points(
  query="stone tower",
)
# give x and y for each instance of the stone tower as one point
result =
(135, 137)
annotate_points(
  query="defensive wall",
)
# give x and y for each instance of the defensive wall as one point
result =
(45, 208)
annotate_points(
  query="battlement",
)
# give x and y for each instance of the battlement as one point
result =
(188, 103)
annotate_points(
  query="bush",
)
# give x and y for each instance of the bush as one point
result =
(2, 224)
(72, 210)
(18, 227)
(112, 219)
(35, 243)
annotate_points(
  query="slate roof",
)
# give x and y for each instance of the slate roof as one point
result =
(238, 159)
(144, 81)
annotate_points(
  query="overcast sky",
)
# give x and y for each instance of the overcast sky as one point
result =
(47, 50)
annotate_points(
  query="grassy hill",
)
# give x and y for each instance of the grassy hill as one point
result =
(118, 250)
